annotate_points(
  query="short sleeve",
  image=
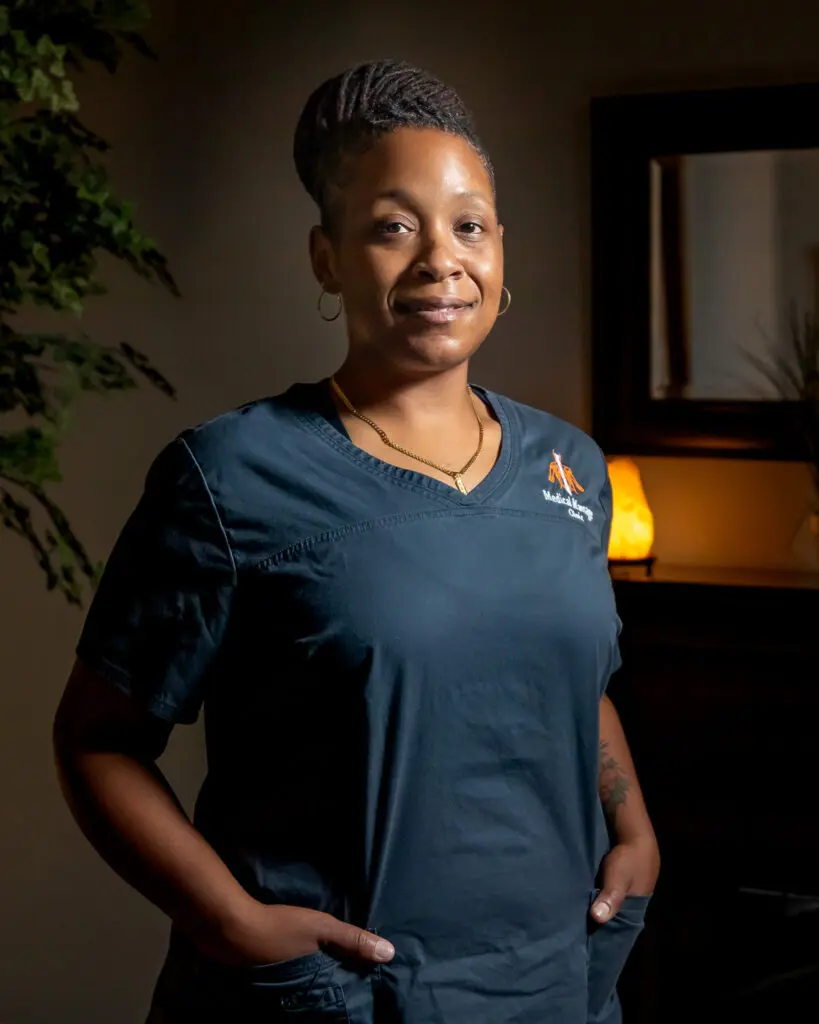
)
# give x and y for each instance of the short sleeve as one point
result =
(161, 608)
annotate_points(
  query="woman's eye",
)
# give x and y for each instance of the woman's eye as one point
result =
(391, 227)
(471, 227)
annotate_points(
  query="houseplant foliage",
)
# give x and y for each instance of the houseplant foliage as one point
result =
(58, 217)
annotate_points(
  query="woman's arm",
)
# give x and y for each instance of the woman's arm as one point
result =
(106, 750)
(620, 791)
(633, 864)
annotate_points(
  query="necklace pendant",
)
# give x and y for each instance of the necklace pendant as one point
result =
(460, 484)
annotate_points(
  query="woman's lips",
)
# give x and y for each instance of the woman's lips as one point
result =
(435, 314)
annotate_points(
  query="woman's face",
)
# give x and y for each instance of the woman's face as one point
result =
(417, 254)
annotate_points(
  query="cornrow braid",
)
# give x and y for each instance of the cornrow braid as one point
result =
(346, 114)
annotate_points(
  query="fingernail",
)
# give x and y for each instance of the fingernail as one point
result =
(601, 911)
(384, 950)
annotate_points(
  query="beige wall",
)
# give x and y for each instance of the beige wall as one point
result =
(203, 143)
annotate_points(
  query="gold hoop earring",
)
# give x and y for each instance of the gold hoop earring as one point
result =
(508, 301)
(330, 319)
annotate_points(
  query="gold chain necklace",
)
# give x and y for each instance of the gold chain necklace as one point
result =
(457, 475)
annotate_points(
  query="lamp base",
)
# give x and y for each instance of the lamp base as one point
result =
(630, 567)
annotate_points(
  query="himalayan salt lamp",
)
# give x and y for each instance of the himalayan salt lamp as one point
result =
(632, 524)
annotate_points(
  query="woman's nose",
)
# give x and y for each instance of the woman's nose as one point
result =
(437, 260)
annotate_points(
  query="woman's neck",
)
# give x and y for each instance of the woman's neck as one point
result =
(431, 418)
(416, 403)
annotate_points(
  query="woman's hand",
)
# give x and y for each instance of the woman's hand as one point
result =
(630, 869)
(262, 934)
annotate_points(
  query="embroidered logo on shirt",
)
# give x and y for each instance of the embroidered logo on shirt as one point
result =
(567, 482)
(563, 476)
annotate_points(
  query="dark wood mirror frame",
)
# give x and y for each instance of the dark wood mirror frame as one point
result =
(627, 133)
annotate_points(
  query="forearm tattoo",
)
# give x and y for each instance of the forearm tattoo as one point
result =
(614, 783)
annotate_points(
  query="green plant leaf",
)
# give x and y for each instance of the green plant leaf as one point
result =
(29, 457)
(59, 213)
(135, 40)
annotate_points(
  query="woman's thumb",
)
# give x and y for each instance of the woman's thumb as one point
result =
(360, 944)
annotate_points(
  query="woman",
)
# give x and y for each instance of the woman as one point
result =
(390, 591)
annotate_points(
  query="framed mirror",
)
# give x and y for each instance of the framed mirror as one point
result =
(705, 261)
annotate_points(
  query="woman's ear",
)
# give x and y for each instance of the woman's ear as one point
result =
(323, 260)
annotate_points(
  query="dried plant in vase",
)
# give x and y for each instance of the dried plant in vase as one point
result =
(794, 372)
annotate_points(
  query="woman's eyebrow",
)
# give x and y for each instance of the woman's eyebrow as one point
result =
(402, 196)
(399, 194)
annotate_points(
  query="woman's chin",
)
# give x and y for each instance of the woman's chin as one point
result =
(440, 352)
(419, 350)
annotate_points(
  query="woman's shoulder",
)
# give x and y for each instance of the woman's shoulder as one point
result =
(539, 426)
(266, 425)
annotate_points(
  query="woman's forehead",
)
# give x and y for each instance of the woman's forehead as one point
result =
(416, 162)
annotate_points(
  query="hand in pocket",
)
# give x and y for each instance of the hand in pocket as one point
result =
(275, 934)
(630, 869)
(609, 946)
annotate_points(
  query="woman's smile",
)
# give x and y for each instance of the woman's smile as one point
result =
(433, 310)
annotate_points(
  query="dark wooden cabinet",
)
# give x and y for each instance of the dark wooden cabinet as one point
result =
(719, 696)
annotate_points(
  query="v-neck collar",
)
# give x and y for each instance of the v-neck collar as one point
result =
(316, 407)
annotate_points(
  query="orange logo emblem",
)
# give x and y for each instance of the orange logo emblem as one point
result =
(561, 474)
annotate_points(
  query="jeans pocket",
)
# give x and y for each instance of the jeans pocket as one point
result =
(287, 970)
(298, 991)
(609, 946)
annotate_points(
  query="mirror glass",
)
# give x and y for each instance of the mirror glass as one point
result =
(734, 257)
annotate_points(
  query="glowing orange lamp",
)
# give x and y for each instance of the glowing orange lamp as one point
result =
(632, 524)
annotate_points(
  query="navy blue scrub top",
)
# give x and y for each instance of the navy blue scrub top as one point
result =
(401, 689)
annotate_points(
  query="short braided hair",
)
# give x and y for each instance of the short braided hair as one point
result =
(346, 114)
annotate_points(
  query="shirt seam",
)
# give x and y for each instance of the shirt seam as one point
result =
(505, 410)
(214, 508)
(393, 472)
(399, 518)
